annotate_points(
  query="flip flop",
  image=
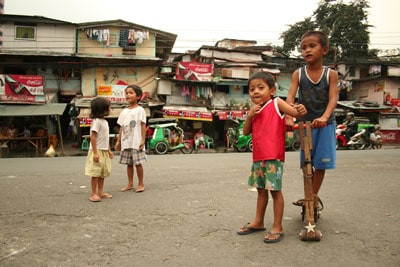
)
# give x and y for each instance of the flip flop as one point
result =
(246, 230)
(126, 189)
(94, 199)
(105, 195)
(139, 190)
(299, 202)
(275, 240)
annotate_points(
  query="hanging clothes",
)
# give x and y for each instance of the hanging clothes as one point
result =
(123, 38)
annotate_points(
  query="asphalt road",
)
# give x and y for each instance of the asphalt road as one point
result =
(190, 211)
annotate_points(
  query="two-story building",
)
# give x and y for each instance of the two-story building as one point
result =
(45, 61)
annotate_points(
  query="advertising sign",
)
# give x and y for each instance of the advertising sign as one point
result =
(15, 88)
(114, 92)
(194, 71)
(188, 114)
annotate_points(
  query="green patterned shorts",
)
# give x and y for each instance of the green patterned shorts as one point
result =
(266, 174)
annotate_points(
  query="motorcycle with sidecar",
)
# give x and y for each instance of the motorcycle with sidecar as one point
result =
(159, 141)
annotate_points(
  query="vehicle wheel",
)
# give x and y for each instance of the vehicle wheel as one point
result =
(188, 149)
(161, 148)
(250, 146)
(296, 145)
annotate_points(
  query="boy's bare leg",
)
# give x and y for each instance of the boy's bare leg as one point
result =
(130, 173)
(317, 180)
(278, 204)
(262, 202)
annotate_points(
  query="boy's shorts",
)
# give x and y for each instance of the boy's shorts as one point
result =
(266, 174)
(102, 168)
(132, 157)
(323, 154)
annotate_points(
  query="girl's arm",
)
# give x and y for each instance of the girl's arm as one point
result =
(143, 126)
(93, 137)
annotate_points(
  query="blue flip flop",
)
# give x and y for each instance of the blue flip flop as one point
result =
(246, 230)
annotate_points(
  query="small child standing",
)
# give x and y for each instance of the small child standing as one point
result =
(132, 137)
(266, 123)
(98, 160)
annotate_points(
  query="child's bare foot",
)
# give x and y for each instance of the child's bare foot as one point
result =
(105, 195)
(127, 188)
(140, 189)
(95, 198)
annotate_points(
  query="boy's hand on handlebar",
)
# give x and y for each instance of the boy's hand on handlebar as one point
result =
(318, 123)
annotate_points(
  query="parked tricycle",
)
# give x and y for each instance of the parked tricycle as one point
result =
(167, 136)
(243, 143)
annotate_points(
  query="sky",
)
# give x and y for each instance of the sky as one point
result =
(205, 22)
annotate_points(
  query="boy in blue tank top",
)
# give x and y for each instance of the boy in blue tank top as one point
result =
(318, 92)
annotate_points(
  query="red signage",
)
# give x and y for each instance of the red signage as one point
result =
(188, 114)
(194, 71)
(15, 88)
(390, 136)
(395, 102)
(231, 114)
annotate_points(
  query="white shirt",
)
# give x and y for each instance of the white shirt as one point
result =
(131, 120)
(100, 126)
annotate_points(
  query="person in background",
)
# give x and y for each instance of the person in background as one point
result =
(376, 137)
(199, 138)
(132, 137)
(351, 125)
(317, 88)
(98, 160)
(267, 115)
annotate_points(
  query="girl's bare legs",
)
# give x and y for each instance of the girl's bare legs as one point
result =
(140, 174)
(94, 183)
(101, 194)
(129, 172)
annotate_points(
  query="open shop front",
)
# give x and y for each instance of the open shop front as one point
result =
(191, 119)
(42, 121)
(388, 117)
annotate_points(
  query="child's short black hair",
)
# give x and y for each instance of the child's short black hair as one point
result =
(100, 107)
(323, 38)
(138, 90)
(266, 77)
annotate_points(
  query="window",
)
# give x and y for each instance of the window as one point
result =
(25, 32)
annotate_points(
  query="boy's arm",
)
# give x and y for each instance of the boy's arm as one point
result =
(294, 85)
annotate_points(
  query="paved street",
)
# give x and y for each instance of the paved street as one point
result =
(190, 211)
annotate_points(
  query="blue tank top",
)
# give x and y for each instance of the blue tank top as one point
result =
(314, 95)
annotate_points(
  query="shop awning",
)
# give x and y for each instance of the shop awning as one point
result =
(231, 114)
(85, 113)
(187, 113)
(32, 110)
(363, 106)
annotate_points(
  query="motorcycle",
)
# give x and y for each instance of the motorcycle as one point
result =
(360, 140)
(341, 141)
